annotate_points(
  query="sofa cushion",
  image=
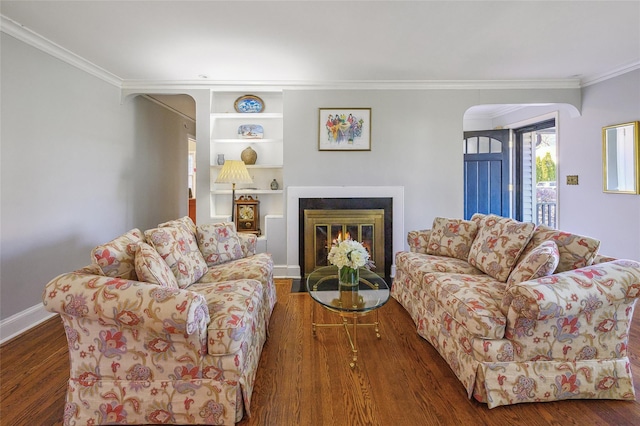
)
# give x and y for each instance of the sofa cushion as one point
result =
(539, 262)
(473, 301)
(184, 222)
(478, 218)
(236, 310)
(451, 237)
(116, 258)
(179, 249)
(419, 240)
(151, 268)
(219, 242)
(498, 245)
(576, 251)
(248, 242)
(418, 264)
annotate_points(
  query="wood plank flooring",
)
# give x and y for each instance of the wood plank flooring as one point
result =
(400, 379)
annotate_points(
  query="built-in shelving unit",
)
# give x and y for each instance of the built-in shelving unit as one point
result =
(225, 122)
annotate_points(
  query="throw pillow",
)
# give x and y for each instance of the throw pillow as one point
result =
(576, 251)
(185, 222)
(219, 242)
(451, 237)
(498, 245)
(539, 262)
(179, 249)
(116, 258)
(151, 268)
(478, 218)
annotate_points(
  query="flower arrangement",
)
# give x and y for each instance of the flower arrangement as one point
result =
(349, 255)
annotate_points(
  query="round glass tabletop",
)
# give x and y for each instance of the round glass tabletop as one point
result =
(371, 293)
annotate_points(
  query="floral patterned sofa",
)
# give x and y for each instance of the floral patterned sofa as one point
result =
(521, 313)
(165, 326)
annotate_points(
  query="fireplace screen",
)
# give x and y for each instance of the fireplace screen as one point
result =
(324, 227)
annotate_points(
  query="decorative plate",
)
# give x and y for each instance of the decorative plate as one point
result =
(250, 131)
(249, 103)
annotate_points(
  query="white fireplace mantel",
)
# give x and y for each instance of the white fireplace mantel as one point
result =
(294, 193)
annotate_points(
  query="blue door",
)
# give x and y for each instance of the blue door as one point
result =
(486, 173)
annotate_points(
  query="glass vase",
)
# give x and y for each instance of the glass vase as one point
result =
(349, 277)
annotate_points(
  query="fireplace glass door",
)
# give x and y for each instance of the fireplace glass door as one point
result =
(325, 227)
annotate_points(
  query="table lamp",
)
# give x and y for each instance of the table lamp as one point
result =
(233, 171)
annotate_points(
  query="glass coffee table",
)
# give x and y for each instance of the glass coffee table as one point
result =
(350, 303)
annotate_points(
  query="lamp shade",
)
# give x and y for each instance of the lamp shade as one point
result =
(234, 171)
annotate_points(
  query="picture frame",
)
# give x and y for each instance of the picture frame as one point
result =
(621, 158)
(344, 129)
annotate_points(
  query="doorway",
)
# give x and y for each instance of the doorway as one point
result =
(537, 173)
(486, 173)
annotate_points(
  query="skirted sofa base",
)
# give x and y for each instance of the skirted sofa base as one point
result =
(559, 336)
(144, 352)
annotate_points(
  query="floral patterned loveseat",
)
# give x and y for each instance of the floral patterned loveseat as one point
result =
(165, 326)
(521, 313)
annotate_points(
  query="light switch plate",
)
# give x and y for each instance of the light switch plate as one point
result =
(572, 179)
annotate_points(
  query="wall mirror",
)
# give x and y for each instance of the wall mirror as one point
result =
(620, 152)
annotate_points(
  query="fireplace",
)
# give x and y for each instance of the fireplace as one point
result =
(395, 239)
(323, 220)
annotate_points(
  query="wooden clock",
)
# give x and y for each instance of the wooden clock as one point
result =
(248, 214)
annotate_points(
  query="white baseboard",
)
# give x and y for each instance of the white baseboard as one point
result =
(286, 271)
(23, 321)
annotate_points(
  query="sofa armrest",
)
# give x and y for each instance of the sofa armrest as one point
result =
(124, 303)
(248, 242)
(418, 240)
(572, 293)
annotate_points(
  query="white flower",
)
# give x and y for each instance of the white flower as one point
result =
(349, 253)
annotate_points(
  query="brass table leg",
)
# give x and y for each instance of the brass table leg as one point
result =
(352, 341)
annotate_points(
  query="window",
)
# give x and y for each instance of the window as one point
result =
(536, 173)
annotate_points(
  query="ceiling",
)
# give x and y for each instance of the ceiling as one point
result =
(341, 41)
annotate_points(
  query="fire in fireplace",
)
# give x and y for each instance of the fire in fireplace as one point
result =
(323, 220)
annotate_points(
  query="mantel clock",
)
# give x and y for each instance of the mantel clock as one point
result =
(248, 214)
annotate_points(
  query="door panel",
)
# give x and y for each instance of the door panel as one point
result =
(486, 173)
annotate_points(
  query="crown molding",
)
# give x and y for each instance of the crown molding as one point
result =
(147, 85)
(593, 79)
(24, 34)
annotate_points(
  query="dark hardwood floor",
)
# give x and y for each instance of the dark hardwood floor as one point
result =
(400, 380)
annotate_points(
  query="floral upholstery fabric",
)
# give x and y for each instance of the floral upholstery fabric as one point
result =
(233, 307)
(566, 334)
(144, 354)
(498, 245)
(248, 243)
(451, 237)
(139, 353)
(180, 250)
(257, 267)
(419, 240)
(184, 222)
(478, 218)
(219, 242)
(117, 257)
(151, 268)
(417, 265)
(539, 262)
(472, 301)
(576, 251)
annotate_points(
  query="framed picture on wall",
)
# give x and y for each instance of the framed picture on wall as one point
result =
(344, 129)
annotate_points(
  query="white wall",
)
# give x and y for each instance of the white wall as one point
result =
(78, 168)
(614, 219)
(416, 143)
